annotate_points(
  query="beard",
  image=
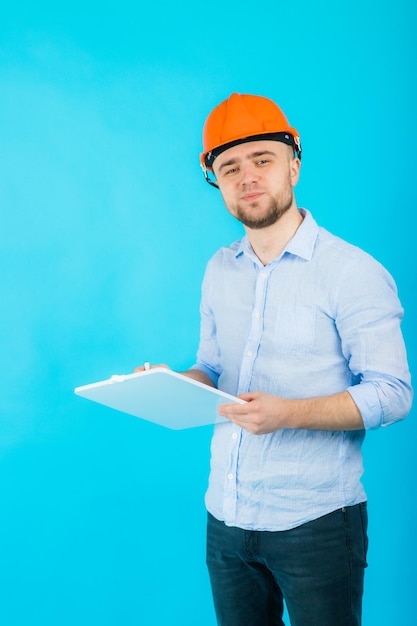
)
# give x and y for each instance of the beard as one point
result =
(276, 208)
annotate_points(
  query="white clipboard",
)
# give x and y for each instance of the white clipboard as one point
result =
(161, 396)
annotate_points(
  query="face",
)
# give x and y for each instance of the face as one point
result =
(257, 181)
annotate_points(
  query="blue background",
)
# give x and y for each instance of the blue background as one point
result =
(106, 227)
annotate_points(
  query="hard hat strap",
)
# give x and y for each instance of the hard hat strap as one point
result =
(207, 177)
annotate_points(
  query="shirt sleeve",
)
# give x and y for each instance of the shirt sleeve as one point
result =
(368, 319)
(208, 355)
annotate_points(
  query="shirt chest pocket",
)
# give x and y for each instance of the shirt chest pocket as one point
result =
(294, 328)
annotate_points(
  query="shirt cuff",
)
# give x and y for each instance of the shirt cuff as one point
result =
(207, 371)
(366, 399)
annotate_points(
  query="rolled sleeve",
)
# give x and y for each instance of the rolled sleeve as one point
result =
(208, 371)
(370, 328)
(382, 403)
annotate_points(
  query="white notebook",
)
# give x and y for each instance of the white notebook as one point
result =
(161, 396)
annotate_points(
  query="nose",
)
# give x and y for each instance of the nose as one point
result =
(249, 174)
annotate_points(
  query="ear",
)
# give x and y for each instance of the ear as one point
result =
(295, 165)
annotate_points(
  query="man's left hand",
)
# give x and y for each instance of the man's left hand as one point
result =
(261, 414)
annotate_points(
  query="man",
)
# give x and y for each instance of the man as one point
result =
(306, 328)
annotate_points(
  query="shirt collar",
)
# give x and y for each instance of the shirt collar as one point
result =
(302, 244)
(304, 240)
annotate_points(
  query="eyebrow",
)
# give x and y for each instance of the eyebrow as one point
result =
(252, 155)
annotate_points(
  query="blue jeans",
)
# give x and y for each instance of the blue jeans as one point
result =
(318, 568)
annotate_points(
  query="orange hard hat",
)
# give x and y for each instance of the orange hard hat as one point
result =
(241, 118)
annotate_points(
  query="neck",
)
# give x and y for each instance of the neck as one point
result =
(269, 243)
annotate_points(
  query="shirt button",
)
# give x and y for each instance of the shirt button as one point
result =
(234, 436)
(230, 476)
(249, 353)
(257, 315)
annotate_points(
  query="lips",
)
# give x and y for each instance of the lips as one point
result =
(252, 197)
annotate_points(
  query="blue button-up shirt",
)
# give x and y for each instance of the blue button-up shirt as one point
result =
(321, 318)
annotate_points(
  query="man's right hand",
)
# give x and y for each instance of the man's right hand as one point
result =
(148, 366)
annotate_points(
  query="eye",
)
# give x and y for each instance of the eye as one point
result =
(231, 171)
(262, 162)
